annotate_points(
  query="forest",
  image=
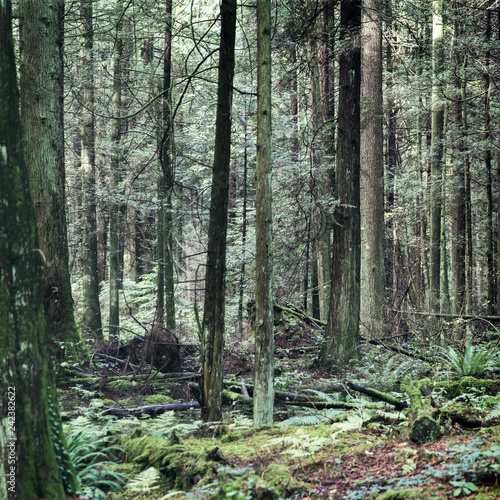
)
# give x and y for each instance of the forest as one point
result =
(249, 249)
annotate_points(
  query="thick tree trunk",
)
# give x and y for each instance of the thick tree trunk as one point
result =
(372, 174)
(91, 317)
(213, 325)
(41, 32)
(30, 429)
(342, 331)
(263, 408)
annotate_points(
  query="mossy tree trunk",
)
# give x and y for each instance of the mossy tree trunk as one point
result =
(91, 317)
(342, 332)
(41, 41)
(263, 408)
(372, 174)
(212, 341)
(29, 416)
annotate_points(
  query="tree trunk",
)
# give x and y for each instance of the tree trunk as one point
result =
(342, 332)
(41, 32)
(91, 316)
(437, 130)
(114, 204)
(490, 267)
(372, 174)
(30, 432)
(263, 408)
(458, 192)
(327, 107)
(212, 341)
(166, 280)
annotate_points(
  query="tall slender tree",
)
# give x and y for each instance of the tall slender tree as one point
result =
(31, 429)
(213, 325)
(436, 159)
(263, 401)
(342, 332)
(114, 204)
(458, 193)
(372, 173)
(91, 317)
(166, 285)
(41, 40)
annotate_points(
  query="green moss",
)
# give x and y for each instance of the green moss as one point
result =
(122, 385)
(454, 388)
(158, 399)
(281, 479)
(399, 495)
(127, 402)
(181, 464)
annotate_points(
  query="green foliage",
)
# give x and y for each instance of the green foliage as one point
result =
(145, 481)
(474, 361)
(301, 444)
(311, 417)
(95, 461)
(463, 487)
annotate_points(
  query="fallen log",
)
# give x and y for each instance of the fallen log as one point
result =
(152, 410)
(381, 396)
(399, 350)
(423, 426)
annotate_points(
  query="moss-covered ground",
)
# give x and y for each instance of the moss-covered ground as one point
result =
(360, 451)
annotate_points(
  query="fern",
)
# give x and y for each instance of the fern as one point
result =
(145, 481)
(495, 413)
(312, 418)
(474, 361)
(301, 444)
(92, 458)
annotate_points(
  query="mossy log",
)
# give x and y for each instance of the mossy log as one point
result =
(399, 350)
(424, 429)
(152, 410)
(454, 388)
(381, 396)
(89, 381)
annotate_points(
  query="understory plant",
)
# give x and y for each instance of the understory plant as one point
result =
(474, 361)
(95, 461)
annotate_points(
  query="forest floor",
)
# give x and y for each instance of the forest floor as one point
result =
(363, 452)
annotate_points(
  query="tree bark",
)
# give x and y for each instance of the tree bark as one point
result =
(327, 108)
(41, 41)
(437, 130)
(166, 281)
(372, 174)
(30, 465)
(91, 317)
(458, 190)
(213, 325)
(342, 332)
(114, 204)
(263, 408)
